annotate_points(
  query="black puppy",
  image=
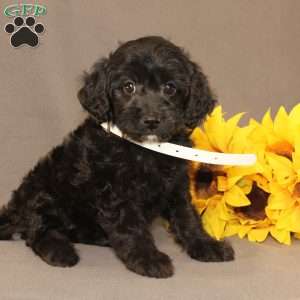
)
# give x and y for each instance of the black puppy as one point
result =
(100, 189)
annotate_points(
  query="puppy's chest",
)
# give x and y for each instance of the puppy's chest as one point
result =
(156, 175)
(154, 183)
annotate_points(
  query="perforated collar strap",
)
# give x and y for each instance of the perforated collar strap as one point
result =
(188, 153)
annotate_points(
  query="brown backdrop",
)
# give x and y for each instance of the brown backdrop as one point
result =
(249, 50)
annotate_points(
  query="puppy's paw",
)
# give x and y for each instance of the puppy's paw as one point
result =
(156, 264)
(61, 255)
(211, 251)
(56, 250)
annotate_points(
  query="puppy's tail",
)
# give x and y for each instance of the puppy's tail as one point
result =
(7, 229)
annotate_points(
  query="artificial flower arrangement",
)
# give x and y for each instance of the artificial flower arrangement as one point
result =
(254, 201)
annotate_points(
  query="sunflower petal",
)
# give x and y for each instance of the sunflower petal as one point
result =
(244, 231)
(282, 168)
(267, 120)
(272, 214)
(231, 229)
(212, 223)
(280, 198)
(222, 183)
(295, 220)
(282, 236)
(236, 197)
(258, 234)
(245, 184)
(201, 140)
(215, 129)
(294, 114)
(281, 125)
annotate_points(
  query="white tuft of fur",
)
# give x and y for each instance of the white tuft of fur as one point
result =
(151, 139)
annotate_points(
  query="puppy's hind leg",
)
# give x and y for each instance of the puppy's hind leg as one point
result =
(45, 232)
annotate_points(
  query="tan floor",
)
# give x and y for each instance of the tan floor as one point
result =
(260, 272)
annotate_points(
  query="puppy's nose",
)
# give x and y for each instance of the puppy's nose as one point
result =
(151, 122)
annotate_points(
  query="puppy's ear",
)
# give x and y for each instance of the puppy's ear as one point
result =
(201, 101)
(93, 96)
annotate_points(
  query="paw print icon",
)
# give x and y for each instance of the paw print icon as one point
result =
(24, 31)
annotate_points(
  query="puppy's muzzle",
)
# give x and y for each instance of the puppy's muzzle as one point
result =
(151, 123)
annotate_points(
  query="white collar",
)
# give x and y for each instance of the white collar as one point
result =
(188, 153)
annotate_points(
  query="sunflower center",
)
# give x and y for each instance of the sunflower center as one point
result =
(283, 148)
(259, 201)
(204, 177)
(206, 182)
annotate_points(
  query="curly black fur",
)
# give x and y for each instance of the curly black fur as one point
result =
(100, 189)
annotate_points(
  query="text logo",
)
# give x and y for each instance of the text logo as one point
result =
(24, 9)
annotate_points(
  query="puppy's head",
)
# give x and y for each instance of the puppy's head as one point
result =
(149, 88)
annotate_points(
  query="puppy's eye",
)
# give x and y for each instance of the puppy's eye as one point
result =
(128, 87)
(169, 88)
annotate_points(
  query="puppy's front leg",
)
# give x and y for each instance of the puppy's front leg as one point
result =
(187, 227)
(133, 243)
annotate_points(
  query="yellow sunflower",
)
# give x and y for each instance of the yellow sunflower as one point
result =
(250, 201)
